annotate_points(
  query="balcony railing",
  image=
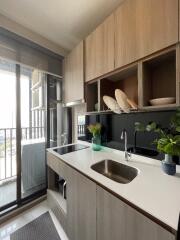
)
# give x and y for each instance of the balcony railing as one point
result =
(81, 130)
(8, 148)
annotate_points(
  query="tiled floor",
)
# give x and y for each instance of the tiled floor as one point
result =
(10, 226)
(8, 192)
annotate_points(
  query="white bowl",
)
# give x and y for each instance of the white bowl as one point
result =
(162, 101)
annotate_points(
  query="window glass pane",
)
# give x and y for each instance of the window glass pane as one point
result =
(7, 132)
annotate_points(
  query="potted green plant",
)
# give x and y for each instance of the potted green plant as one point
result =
(95, 130)
(167, 141)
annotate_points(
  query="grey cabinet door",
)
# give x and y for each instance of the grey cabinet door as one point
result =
(81, 207)
(118, 221)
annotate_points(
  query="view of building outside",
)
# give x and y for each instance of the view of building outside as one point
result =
(32, 120)
(8, 117)
(7, 120)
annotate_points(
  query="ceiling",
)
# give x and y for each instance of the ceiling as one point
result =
(64, 22)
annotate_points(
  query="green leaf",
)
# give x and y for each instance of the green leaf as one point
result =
(176, 150)
(169, 145)
(139, 127)
(168, 140)
(150, 127)
(168, 148)
(163, 141)
(177, 138)
(175, 121)
(178, 129)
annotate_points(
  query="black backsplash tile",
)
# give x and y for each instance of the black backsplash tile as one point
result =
(113, 124)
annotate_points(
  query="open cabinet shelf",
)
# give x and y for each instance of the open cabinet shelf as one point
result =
(154, 77)
(159, 79)
(92, 99)
(55, 191)
(126, 80)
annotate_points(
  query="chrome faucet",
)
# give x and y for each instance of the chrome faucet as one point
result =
(124, 136)
(64, 138)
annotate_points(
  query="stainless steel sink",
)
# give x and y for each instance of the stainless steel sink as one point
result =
(115, 171)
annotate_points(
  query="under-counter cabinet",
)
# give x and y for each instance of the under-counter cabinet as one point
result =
(92, 213)
(118, 221)
(143, 27)
(73, 66)
(76, 213)
(99, 50)
(57, 203)
(81, 207)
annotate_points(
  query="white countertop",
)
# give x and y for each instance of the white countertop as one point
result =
(152, 190)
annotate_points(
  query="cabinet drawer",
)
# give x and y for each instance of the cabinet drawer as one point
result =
(57, 165)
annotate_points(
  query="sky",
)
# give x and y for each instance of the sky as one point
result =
(8, 100)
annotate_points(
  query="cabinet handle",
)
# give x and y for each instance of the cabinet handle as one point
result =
(64, 190)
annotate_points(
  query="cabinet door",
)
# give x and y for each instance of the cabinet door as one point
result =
(125, 33)
(118, 221)
(157, 25)
(81, 207)
(90, 64)
(143, 27)
(99, 47)
(74, 74)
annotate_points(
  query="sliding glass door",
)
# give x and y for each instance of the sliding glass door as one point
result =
(25, 118)
(22, 133)
(8, 160)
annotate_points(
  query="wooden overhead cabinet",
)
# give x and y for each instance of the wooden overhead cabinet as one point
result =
(99, 50)
(74, 75)
(157, 25)
(125, 34)
(143, 27)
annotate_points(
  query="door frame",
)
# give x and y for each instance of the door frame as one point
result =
(19, 201)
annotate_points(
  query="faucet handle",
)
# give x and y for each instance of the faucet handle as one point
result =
(129, 155)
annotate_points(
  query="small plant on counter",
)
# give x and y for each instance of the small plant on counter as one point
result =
(168, 140)
(95, 130)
